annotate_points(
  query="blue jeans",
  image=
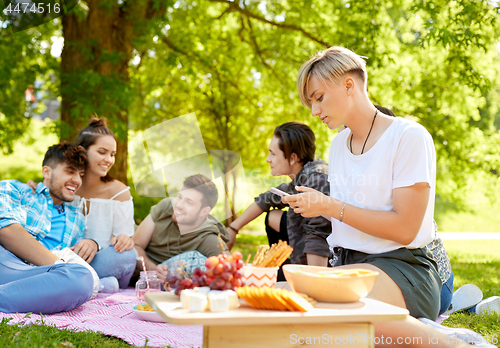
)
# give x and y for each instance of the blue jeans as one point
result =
(43, 289)
(109, 262)
(446, 294)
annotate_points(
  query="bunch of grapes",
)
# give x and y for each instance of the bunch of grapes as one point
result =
(179, 279)
(223, 273)
(179, 283)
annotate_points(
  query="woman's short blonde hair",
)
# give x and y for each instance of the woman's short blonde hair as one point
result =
(329, 65)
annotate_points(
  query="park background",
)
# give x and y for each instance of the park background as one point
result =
(234, 64)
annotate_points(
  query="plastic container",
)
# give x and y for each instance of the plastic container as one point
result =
(141, 287)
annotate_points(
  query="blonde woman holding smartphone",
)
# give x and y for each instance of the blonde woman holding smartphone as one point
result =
(382, 174)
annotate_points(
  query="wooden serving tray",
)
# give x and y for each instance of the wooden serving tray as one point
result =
(365, 310)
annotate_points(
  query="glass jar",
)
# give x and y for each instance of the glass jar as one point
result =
(141, 287)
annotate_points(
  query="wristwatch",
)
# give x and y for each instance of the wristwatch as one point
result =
(98, 246)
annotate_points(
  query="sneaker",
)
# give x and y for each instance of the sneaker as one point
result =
(455, 334)
(465, 297)
(108, 285)
(491, 304)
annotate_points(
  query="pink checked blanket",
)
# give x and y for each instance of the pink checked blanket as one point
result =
(112, 315)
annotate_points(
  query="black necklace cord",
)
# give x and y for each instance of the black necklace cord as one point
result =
(369, 132)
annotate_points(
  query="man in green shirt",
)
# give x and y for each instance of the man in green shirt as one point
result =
(181, 228)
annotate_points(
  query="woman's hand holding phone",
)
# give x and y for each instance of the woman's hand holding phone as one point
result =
(303, 202)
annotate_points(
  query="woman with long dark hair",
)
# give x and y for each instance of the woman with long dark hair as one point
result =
(107, 206)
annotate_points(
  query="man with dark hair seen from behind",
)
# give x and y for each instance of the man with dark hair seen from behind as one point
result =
(32, 278)
(181, 229)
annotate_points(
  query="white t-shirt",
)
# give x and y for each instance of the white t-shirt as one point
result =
(402, 156)
(106, 218)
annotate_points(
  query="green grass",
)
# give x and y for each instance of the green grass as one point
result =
(38, 336)
(476, 262)
(248, 244)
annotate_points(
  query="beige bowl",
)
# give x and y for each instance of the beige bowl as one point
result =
(323, 284)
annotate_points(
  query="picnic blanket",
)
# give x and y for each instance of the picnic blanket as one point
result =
(112, 315)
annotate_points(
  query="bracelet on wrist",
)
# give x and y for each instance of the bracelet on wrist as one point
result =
(234, 229)
(342, 212)
(98, 246)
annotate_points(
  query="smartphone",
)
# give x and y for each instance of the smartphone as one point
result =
(279, 192)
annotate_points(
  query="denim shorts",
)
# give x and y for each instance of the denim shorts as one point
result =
(413, 270)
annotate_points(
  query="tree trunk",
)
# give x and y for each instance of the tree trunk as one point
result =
(72, 61)
(228, 207)
(94, 70)
(235, 192)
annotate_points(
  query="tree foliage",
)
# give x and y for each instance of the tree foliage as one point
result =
(99, 38)
(24, 58)
(235, 63)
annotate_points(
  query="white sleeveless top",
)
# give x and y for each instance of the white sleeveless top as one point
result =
(106, 217)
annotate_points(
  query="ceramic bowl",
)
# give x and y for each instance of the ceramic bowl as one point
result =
(148, 316)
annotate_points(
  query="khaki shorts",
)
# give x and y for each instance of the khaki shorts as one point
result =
(413, 270)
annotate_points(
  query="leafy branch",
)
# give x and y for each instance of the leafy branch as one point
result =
(234, 7)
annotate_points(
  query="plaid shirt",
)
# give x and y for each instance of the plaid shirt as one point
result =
(19, 205)
(306, 235)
